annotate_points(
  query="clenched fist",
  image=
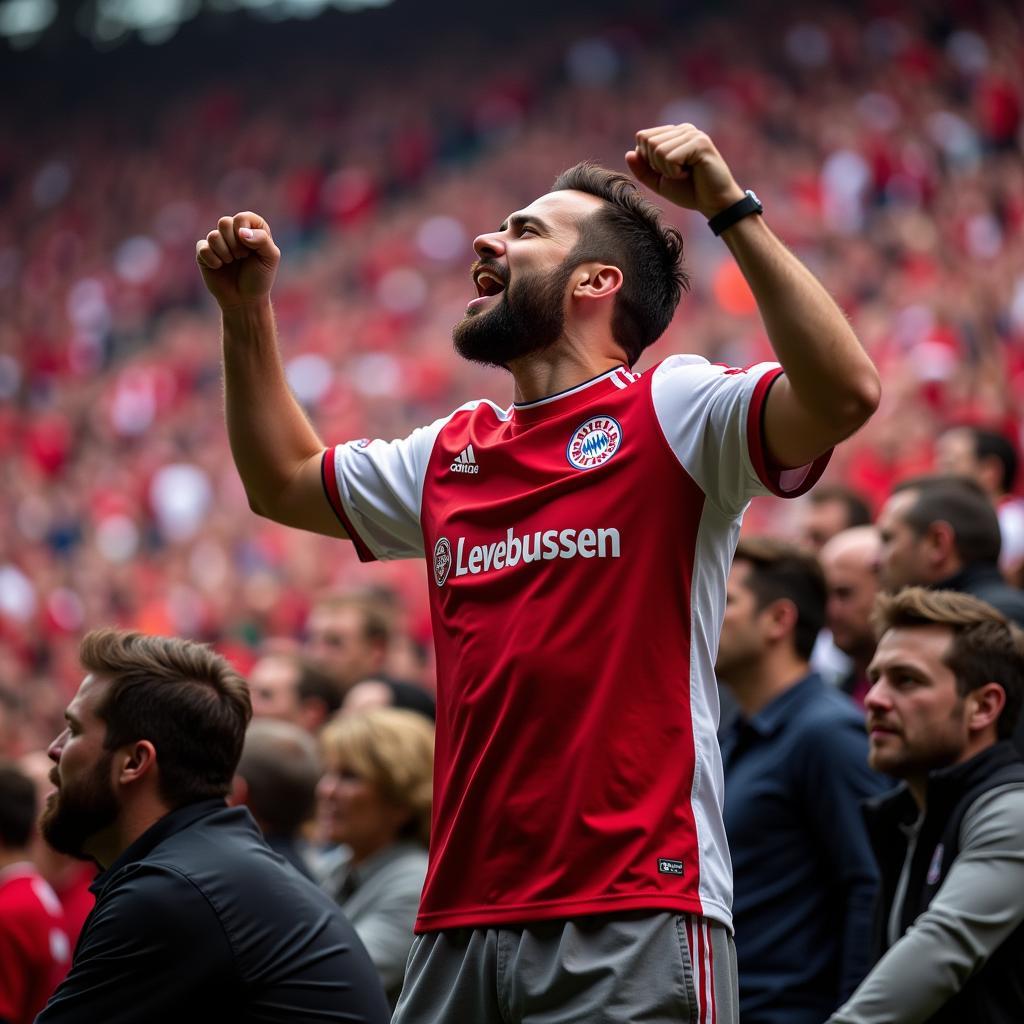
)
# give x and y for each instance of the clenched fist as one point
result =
(680, 163)
(239, 260)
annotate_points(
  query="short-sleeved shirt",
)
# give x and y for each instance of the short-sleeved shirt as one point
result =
(35, 951)
(577, 550)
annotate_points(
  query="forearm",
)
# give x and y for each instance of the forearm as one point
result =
(827, 370)
(270, 436)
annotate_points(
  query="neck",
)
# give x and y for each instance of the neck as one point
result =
(756, 685)
(563, 366)
(15, 855)
(106, 846)
(918, 783)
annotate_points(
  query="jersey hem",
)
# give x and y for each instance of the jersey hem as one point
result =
(526, 913)
(330, 482)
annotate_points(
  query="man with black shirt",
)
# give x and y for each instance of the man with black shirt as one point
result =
(195, 918)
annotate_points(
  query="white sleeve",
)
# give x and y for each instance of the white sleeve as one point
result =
(376, 491)
(711, 416)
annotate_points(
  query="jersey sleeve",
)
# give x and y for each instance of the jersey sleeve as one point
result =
(712, 417)
(376, 491)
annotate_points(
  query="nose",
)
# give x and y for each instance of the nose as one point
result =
(875, 699)
(488, 246)
(53, 751)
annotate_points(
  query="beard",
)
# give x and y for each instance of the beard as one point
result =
(77, 811)
(528, 317)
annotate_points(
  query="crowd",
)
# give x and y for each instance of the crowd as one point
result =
(887, 150)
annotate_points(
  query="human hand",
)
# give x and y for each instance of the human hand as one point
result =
(681, 164)
(238, 260)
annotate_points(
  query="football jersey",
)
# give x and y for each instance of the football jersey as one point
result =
(35, 952)
(577, 550)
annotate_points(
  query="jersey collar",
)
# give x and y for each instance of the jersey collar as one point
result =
(609, 382)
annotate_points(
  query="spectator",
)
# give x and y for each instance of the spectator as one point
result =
(795, 772)
(375, 799)
(276, 779)
(389, 693)
(348, 637)
(948, 679)
(35, 951)
(195, 919)
(289, 687)
(942, 532)
(850, 561)
(991, 460)
(832, 508)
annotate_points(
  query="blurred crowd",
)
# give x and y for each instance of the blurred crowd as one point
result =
(885, 143)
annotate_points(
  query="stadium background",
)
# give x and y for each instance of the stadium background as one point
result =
(885, 140)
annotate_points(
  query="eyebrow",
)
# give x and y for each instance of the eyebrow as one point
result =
(520, 220)
(71, 718)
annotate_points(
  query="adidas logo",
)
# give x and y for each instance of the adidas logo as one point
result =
(465, 461)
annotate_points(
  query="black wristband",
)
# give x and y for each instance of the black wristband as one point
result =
(742, 208)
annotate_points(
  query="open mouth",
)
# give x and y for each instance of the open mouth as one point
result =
(488, 282)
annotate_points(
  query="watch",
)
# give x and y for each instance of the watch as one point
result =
(742, 208)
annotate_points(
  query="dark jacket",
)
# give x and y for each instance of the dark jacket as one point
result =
(995, 994)
(986, 583)
(198, 921)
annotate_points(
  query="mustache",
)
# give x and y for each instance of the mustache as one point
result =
(492, 267)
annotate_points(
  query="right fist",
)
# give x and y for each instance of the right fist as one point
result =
(238, 260)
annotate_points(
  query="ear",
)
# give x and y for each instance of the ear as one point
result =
(940, 541)
(984, 706)
(135, 762)
(780, 618)
(595, 281)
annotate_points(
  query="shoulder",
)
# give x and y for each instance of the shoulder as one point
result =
(995, 817)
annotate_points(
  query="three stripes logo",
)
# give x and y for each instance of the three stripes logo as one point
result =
(465, 461)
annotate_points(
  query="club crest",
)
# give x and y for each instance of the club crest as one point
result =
(594, 442)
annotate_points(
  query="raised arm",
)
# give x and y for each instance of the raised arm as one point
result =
(830, 386)
(275, 448)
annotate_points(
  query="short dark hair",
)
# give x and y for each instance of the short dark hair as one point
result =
(991, 445)
(780, 570)
(18, 807)
(986, 647)
(857, 511)
(281, 767)
(181, 696)
(315, 684)
(627, 232)
(960, 502)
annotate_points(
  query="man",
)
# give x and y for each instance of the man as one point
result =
(990, 459)
(577, 547)
(795, 773)
(195, 918)
(948, 679)
(348, 637)
(942, 532)
(850, 561)
(276, 779)
(831, 509)
(35, 951)
(286, 686)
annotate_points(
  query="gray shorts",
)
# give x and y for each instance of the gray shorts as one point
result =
(659, 968)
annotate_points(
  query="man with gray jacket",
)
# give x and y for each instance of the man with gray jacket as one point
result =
(947, 683)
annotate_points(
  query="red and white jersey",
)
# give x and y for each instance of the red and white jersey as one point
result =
(577, 551)
(35, 952)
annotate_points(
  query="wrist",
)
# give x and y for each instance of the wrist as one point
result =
(245, 317)
(723, 202)
(740, 210)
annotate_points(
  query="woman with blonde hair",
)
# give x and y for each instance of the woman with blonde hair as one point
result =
(374, 801)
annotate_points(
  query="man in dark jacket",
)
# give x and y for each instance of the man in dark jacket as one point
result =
(195, 919)
(948, 680)
(942, 532)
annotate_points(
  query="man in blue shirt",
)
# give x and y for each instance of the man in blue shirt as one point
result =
(795, 772)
